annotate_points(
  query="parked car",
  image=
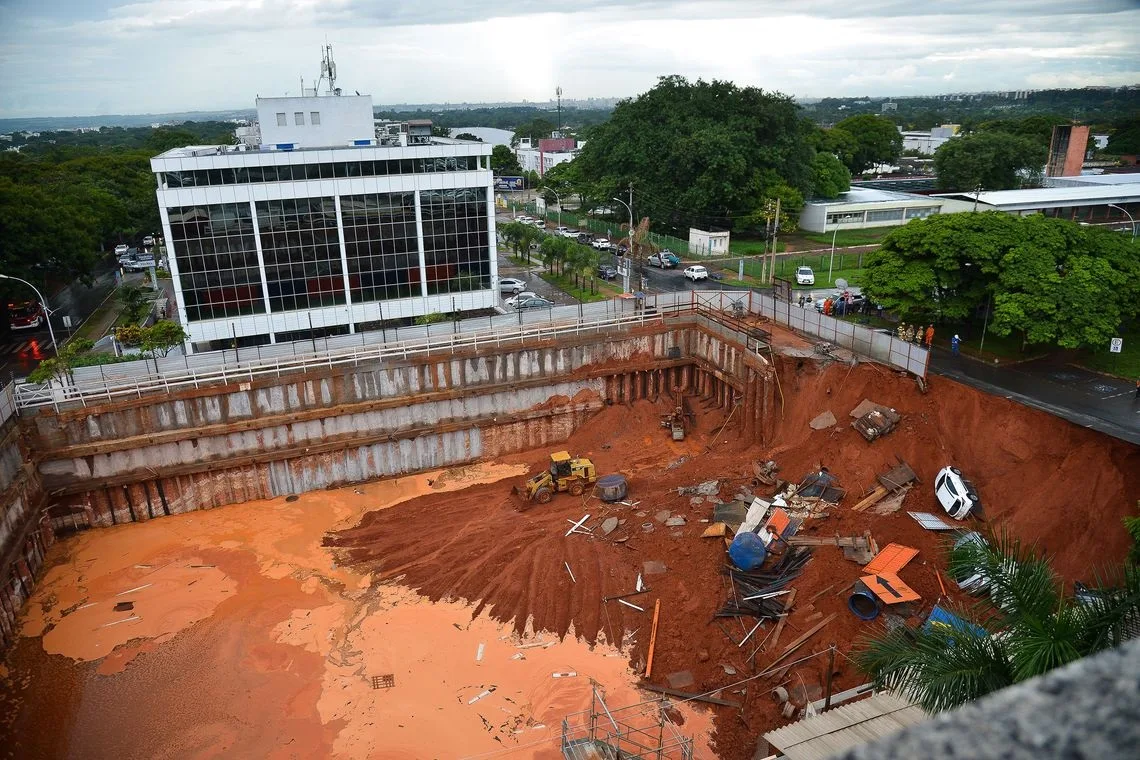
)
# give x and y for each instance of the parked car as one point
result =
(539, 223)
(535, 302)
(560, 230)
(673, 258)
(657, 260)
(148, 241)
(121, 249)
(607, 272)
(622, 249)
(956, 494)
(805, 276)
(696, 272)
(585, 238)
(25, 315)
(572, 234)
(517, 297)
(511, 285)
(602, 244)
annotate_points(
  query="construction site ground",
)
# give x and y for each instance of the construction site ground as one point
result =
(264, 623)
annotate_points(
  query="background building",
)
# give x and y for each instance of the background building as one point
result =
(1067, 151)
(546, 154)
(928, 142)
(322, 229)
(861, 208)
(702, 243)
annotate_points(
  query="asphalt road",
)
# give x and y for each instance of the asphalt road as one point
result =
(22, 350)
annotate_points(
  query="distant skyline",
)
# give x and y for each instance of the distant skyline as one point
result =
(96, 57)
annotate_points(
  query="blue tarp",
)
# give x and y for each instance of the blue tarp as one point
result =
(951, 622)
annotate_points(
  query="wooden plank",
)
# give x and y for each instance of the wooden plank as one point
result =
(652, 639)
(818, 594)
(791, 648)
(891, 559)
(687, 695)
(871, 499)
(784, 619)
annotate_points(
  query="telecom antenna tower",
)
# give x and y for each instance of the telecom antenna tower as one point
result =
(328, 70)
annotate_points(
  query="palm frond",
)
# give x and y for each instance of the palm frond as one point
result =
(937, 669)
(1023, 586)
(1111, 612)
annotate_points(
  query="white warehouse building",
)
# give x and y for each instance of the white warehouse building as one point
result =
(321, 229)
(862, 208)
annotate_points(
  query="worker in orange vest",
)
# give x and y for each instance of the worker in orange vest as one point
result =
(930, 336)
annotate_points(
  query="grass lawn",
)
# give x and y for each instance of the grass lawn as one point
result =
(565, 283)
(847, 237)
(786, 267)
(1126, 364)
(752, 247)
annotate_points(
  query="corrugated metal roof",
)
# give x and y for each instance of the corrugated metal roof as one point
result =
(844, 727)
(1044, 197)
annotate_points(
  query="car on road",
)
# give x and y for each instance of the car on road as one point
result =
(520, 297)
(539, 223)
(571, 234)
(25, 315)
(673, 258)
(138, 262)
(148, 241)
(956, 494)
(696, 272)
(602, 244)
(560, 230)
(524, 219)
(805, 276)
(511, 285)
(657, 260)
(122, 249)
(854, 303)
(535, 302)
(607, 272)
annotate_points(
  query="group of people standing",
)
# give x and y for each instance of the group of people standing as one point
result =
(916, 335)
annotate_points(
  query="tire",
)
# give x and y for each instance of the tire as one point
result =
(577, 488)
(956, 471)
(543, 496)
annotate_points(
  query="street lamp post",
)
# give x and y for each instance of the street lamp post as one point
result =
(558, 198)
(831, 266)
(629, 252)
(43, 303)
(1125, 211)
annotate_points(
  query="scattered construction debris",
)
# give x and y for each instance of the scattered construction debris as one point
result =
(765, 472)
(895, 481)
(823, 420)
(386, 681)
(752, 591)
(612, 488)
(877, 422)
(652, 639)
(931, 521)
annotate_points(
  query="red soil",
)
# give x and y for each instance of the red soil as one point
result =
(1050, 482)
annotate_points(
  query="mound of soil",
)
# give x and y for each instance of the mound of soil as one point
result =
(1050, 482)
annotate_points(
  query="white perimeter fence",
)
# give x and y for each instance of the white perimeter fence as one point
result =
(150, 375)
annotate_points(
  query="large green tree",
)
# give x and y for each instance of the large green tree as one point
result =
(1125, 137)
(877, 141)
(993, 160)
(829, 177)
(536, 129)
(1049, 280)
(504, 163)
(1027, 626)
(699, 153)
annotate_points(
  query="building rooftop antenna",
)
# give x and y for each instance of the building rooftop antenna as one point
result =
(328, 70)
(558, 92)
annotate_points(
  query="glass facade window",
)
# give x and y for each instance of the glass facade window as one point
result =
(301, 247)
(456, 244)
(921, 213)
(381, 245)
(885, 215)
(850, 217)
(315, 118)
(217, 260)
(299, 118)
(295, 172)
(281, 122)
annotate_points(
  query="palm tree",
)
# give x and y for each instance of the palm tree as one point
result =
(1025, 627)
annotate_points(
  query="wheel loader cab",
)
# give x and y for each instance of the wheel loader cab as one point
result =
(560, 465)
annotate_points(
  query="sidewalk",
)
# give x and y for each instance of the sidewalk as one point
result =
(1102, 403)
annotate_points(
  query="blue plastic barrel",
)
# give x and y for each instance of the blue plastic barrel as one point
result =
(747, 551)
(862, 603)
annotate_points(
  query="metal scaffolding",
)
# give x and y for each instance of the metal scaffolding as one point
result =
(634, 732)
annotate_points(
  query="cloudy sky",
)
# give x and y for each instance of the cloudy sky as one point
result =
(83, 57)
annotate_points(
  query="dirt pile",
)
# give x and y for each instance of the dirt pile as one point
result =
(474, 545)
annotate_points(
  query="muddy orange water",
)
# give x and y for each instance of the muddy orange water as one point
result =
(234, 633)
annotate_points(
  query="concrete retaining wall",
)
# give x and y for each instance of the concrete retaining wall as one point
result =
(131, 460)
(24, 539)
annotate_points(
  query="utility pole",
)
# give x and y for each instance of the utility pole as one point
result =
(830, 672)
(775, 236)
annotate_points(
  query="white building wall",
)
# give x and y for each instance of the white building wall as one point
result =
(702, 243)
(349, 314)
(343, 119)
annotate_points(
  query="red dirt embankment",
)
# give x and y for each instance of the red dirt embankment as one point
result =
(1051, 482)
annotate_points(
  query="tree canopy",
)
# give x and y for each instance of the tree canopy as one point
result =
(504, 163)
(876, 139)
(700, 153)
(1125, 137)
(994, 160)
(1048, 280)
(829, 177)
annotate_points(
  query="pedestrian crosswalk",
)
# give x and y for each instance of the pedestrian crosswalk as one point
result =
(16, 347)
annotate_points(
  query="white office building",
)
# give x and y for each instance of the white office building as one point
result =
(322, 229)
